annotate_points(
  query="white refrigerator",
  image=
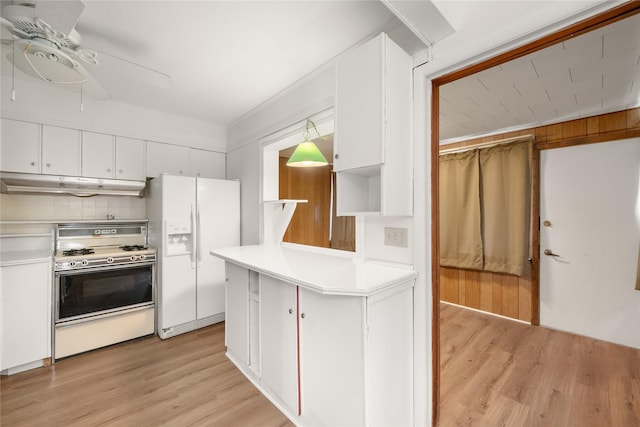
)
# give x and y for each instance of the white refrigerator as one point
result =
(188, 217)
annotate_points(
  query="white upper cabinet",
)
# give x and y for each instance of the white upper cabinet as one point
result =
(372, 141)
(207, 164)
(106, 156)
(20, 146)
(167, 158)
(130, 159)
(60, 151)
(359, 126)
(97, 155)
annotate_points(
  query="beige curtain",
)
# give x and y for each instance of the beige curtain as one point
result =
(506, 207)
(460, 236)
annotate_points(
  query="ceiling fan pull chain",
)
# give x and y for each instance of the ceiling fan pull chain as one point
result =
(81, 104)
(13, 73)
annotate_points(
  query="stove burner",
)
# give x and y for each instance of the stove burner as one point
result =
(75, 252)
(133, 247)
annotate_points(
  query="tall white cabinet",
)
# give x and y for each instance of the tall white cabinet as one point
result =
(372, 140)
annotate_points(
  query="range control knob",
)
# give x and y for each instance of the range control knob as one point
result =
(72, 263)
(110, 260)
(85, 262)
(142, 257)
(133, 257)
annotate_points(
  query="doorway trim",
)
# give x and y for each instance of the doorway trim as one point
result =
(602, 19)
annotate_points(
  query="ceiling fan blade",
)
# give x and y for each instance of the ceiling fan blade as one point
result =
(10, 28)
(61, 15)
(121, 68)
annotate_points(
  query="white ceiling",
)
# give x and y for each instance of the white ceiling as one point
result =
(590, 74)
(224, 57)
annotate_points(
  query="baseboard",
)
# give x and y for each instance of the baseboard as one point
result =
(190, 326)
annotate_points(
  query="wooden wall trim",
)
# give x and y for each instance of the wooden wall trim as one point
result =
(435, 255)
(608, 17)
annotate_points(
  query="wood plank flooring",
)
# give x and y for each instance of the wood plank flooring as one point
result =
(183, 381)
(497, 372)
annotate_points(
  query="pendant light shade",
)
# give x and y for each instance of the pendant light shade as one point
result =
(307, 154)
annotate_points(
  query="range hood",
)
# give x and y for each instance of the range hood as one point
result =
(76, 186)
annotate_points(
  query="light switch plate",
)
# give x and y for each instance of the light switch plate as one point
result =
(396, 237)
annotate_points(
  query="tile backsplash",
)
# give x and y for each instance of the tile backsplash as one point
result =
(34, 207)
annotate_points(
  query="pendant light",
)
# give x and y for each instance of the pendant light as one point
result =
(307, 154)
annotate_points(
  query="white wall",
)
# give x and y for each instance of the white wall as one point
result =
(43, 103)
(243, 164)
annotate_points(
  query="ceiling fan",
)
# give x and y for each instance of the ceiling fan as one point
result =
(44, 44)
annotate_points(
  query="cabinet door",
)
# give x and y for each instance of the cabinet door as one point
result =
(166, 158)
(25, 316)
(359, 124)
(130, 159)
(332, 359)
(20, 146)
(97, 155)
(278, 340)
(60, 151)
(207, 164)
(236, 332)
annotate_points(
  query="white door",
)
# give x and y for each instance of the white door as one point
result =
(97, 155)
(178, 278)
(60, 151)
(20, 150)
(130, 162)
(218, 226)
(279, 340)
(236, 333)
(591, 199)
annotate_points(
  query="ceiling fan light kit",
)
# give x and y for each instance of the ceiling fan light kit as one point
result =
(45, 62)
(45, 45)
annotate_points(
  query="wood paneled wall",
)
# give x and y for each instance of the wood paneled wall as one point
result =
(497, 293)
(310, 222)
(508, 295)
(606, 127)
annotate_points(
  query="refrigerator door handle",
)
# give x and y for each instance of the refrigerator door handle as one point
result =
(199, 249)
(193, 239)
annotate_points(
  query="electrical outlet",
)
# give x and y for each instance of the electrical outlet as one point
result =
(396, 237)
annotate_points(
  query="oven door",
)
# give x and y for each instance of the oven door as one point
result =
(91, 292)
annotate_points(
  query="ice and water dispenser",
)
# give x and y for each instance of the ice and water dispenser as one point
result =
(179, 238)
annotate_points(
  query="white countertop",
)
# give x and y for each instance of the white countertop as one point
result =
(326, 274)
(25, 257)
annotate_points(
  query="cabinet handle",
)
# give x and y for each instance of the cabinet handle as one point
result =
(337, 156)
(180, 172)
(290, 311)
(120, 171)
(48, 165)
(302, 315)
(33, 163)
(108, 170)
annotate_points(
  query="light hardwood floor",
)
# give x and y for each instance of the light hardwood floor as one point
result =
(497, 372)
(183, 381)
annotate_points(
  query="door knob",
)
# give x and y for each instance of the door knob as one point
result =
(549, 252)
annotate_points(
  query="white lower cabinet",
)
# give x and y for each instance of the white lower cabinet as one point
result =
(326, 360)
(278, 340)
(25, 315)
